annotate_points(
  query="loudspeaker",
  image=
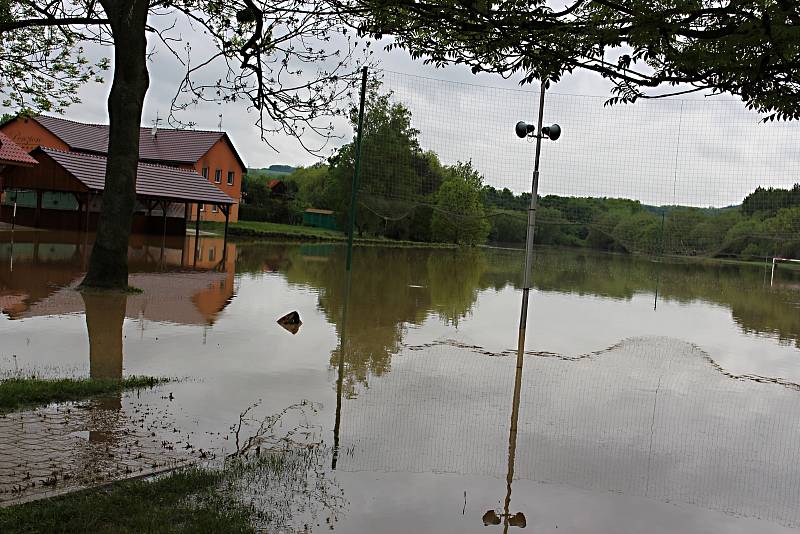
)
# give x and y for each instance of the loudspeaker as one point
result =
(553, 132)
(524, 129)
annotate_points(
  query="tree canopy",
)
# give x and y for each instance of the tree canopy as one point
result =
(261, 48)
(745, 48)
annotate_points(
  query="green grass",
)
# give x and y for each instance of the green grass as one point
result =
(184, 501)
(17, 393)
(292, 232)
(248, 228)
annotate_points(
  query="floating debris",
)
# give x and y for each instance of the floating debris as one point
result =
(291, 322)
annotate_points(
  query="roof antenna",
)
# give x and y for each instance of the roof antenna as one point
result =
(154, 132)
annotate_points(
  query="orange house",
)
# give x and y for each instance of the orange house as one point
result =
(210, 154)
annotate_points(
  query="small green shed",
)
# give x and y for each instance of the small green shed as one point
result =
(320, 218)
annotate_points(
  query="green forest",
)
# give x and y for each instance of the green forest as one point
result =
(405, 192)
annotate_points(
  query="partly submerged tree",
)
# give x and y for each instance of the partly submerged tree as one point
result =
(261, 48)
(745, 48)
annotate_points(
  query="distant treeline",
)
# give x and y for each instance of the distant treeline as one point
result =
(407, 193)
(766, 224)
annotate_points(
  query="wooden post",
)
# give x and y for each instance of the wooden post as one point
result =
(79, 211)
(164, 206)
(196, 234)
(38, 214)
(88, 209)
(227, 211)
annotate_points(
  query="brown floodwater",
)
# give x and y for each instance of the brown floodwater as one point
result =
(654, 396)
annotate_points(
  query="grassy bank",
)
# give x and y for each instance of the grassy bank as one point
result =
(275, 230)
(185, 501)
(289, 232)
(18, 393)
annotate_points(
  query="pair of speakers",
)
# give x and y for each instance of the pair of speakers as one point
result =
(524, 129)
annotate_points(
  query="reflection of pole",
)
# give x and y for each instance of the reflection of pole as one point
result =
(506, 517)
(340, 370)
(356, 169)
(661, 259)
(512, 444)
(772, 278)
(658, 283)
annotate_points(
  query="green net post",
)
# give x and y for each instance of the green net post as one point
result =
(356, 168)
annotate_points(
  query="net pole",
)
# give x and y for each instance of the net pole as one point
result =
(356, 169)
(348, 271)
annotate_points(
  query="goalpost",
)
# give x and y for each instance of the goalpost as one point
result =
(775, 262)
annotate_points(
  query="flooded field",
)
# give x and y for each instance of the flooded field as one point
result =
(655, 396)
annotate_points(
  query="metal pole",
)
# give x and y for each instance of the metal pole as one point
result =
(356, 170)
(526, 280)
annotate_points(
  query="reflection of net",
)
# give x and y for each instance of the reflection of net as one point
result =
(685, 177)
(650, 416)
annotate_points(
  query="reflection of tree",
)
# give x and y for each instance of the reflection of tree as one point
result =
(391, 288)
(454, 278)
(741, 288)
(383, 300)
(105, 315)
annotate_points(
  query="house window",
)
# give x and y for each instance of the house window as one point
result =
(214, 208)
(217, 176)
(202, 207)
(205, 173)
(212, 253)
(230, 177)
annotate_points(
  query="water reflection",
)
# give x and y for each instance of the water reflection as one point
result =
(392, 289)
(614, 397)
(105, 313)
(40, 271)
(491, 517)
(395, 290)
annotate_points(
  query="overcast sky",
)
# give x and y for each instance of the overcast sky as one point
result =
(696, 151)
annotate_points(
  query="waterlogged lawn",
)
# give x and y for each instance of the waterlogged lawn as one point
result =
(18, 393)
(185, 501)
(272, 491)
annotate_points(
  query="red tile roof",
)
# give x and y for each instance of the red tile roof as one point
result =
(273, 183)
(13, 154)
(156, 181)
(168, 146)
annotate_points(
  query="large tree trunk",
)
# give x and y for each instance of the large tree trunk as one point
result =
(108, 265)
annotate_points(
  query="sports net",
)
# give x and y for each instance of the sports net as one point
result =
(440, 161)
